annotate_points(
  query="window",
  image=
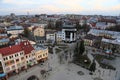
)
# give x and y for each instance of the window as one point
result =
(22, 58)
(6, 63)
(4, 59)
(40, 55)
(10, 57)
(17, 60)
(12, 61)
(15, 55)
(13, 67)
(33, 54)
(43, 54)
(21, 53)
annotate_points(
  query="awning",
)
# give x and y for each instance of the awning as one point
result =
(108, 51)
(2, 75)
(29, 63)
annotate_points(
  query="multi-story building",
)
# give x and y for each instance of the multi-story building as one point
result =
(41, 53)
(29, 53)
(50, 36)
(111, 44)
(20, 56)
(59, 36)
(4, 39)
(69, 33)
(104, 33)
(2, 72)
(39, 31)
(91, 40)
(39, 34)
(15, 30)
(14, 57)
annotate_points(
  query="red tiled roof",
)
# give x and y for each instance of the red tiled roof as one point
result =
(93, 24)
(10, 50)
(26, 46)
(107, 20)
(34, 28)
(84, 18)
(23, 46)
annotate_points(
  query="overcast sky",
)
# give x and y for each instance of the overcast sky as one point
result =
(100, 7)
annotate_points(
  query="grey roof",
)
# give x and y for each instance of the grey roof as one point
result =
(92, 37)
(3, 34)
(40, 38)
(40, 47)
(15, 28)
(116, 41)
(96, 32)
(4, 40)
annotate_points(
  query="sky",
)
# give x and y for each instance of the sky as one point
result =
(84, 7)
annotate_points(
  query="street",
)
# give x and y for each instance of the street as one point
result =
(63, 70)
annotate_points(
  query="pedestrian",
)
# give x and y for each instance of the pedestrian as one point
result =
(26, 70)
(103, 73)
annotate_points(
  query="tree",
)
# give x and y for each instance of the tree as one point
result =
(50, 25)
(58, 24)
(114, 28)
(78, 26)
(26, 32)
(86, 28)
(76, 53)
(93, 66)
(81, 47)
(79, 50)
(113, 49)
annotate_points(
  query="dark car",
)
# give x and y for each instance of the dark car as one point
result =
(33, 77)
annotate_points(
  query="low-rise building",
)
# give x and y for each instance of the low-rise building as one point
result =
(15, 30)
(41, 53)
(59, 36)
(91, 40)
(50, 36)
(4, 40)
(104, 33)
(113, 44)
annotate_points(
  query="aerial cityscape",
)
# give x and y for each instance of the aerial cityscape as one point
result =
(60, 40)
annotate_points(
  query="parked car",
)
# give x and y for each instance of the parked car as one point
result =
(33, 77)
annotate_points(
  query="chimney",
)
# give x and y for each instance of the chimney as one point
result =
(10, 46)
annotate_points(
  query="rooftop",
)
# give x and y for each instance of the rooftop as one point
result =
(40, 47)
(96, 32)
(92, 37)
(15, 28)
(23, 46)
(116, 41)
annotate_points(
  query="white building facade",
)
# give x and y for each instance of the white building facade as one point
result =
(69, 34)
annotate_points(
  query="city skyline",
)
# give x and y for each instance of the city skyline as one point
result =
(91, 7)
